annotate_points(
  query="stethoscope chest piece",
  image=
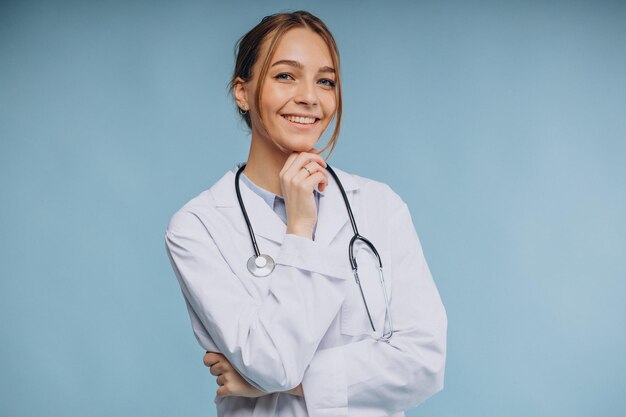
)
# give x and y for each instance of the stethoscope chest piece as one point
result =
(261, 266)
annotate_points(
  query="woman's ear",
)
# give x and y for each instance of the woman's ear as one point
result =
(241, 94)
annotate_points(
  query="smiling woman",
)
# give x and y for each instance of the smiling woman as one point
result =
(297, 98)
(300, 329)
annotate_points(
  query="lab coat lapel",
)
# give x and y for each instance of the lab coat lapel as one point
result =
(333, 214)
(264, 221)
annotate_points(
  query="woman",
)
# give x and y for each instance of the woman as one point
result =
(293, 333)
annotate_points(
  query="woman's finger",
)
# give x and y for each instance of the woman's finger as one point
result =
(217, 369)
(300, 158)
(299, 161)
(211, 358)
(308, 170)
(307, 183)
(315, 179)
(289, 162)
(222, 391)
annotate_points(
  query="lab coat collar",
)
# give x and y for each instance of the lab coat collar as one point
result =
(332, 214)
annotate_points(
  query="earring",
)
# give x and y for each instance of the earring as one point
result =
(243, 111)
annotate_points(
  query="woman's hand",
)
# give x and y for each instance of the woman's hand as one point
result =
(300, 174)
(231, 382)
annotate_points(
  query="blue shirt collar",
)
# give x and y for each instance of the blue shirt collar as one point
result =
(268, 196)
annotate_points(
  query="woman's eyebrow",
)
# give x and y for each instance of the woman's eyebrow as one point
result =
(298, 65)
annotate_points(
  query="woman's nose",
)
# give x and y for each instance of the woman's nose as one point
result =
(307, 93)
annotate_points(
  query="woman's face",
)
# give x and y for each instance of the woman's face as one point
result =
(298, 100)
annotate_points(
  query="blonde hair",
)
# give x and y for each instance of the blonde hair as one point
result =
(273, 28)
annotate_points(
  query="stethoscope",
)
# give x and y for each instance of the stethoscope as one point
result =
(261, 265)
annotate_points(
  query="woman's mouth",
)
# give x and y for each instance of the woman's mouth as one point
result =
(301, 120)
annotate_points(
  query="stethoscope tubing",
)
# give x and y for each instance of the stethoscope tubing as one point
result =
(260, 272)
(255, 246)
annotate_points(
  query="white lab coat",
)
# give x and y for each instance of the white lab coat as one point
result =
(306, 322)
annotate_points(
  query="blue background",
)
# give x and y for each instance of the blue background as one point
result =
(501, 124)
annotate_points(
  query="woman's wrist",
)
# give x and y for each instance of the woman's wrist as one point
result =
(305, 232)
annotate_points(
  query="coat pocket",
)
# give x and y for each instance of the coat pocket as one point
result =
(354, 317)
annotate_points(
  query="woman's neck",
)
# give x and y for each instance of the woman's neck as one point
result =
(264, 165)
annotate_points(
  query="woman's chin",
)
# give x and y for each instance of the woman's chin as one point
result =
(296, 147)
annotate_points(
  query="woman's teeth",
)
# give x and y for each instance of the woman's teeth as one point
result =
(302, 120)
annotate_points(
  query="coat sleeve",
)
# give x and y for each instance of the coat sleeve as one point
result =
(371, 378)
(271, 341)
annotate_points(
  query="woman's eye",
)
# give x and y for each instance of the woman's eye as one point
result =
(283, 76)
(327, 83)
